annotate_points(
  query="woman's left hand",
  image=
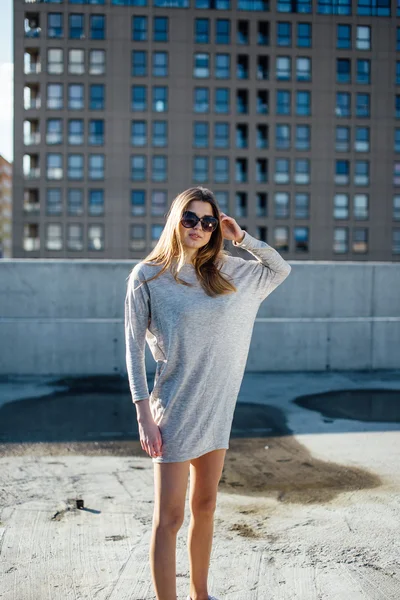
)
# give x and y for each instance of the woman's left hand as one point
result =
(230, 229)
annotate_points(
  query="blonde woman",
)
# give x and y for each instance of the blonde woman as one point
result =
(195, 306)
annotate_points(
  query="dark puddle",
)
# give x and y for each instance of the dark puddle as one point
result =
(373, 405)
(95, 416)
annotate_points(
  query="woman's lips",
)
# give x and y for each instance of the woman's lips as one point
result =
(196, 237)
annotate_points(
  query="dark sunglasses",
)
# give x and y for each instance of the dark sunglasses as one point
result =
(190, 219)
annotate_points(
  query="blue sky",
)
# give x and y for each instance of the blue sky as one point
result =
(6, 79)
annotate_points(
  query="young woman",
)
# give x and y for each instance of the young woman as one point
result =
(195, 306)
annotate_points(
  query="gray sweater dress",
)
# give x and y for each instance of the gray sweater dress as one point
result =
(200, 345)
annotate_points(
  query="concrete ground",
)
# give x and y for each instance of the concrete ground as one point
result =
(308, 503)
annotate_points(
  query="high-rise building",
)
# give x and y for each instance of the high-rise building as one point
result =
(289, 111)
(5, 208)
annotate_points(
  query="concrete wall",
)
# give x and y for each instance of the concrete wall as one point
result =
(66, 317)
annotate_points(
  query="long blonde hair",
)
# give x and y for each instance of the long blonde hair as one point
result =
(169, 250)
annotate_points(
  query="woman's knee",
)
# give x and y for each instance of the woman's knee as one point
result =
(169, 519)
(203, 506)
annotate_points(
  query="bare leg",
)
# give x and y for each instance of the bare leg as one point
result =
(170, 486)
(205, 473)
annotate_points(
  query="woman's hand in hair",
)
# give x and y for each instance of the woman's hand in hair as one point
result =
(230, 229)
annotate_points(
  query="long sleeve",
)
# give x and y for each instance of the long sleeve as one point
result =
(269, 266)
(137, 315)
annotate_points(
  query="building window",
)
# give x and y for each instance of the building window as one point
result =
(53, 236)
(282, 170)
(160, 29)
(373, 8)
(223, 31)
(201, 134)
(261, 170)
(397, 140)
(397, 38)
(75, 202)
(342, 172)
(222, 101)
(74, 236)
(363, 40)
(302, 170)
(159, 168)
(396, 241)
(281, 205)
(397, 106)
(54, 166)
(75, 132)
(303, 103)
(202, 31)
(263, 33)
(343, 70)
(139, 63)
(361, 172)
(55, 25)
(301, 235)
(159, 134)
(222, 199)
(55, 96)
(340, 240)
(261, 204)
(241, 171)
(138, 167)
(76, 62)
(302, 206)
(343, 36)
(360, 207)
(139, 28)
(222, 66)
(303, 68)
(138, 203)
(97, 62)
(160, 64)
(342, 139)
(200, 169)
(201, 64)
(54, 131)
(360, 240)
(160, 98)
(283, 68)
(396, 173)
(96, 237)
(334, 7)
(53, 201)
(261, 136)
(343, 104)
(397, 72)
(283, 102)
(96, 202)
(75, 166)
(303, 136)
(76, 27)
(201, 100)
(139, 100)
(364, 71)
(96, 166)
(55, 61)
(341, 206)
(361, 142)
(363, 105)
(97, 27)
(221, 169)
(294, 6)
(282, 137)
(241, 204)
(242, 33)
(96, 100)
(221, 135)
(158, 203)
(304, 35)
(242, 66)
(75, 96)
(137, 237)
(284, 33)
(396, 208)
(96, 132)
(262, 102)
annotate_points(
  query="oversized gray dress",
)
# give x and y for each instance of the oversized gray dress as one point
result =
(200, 344)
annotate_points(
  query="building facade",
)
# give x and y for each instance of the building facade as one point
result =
(289, 111)
(5, 208)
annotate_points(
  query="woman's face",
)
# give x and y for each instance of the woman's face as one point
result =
(195, 238)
